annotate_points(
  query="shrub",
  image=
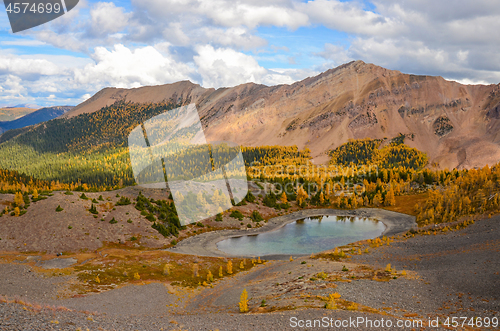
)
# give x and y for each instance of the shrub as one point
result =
(249, 226)
(70, 227)
(93, 210)
(322, 275)
(58, 209)
(83, 196)
(123, 201)
(218, 218)
(285, 205)
(256, 217)
(241, 203)
(129, 221)
(330, 304)
(68, 193)
(236, 214)
(352, 306)
(133, 238)
(113, 221)
(344, 268)
(269, 200)
(173, 242)
(162, 229)
(250, 197)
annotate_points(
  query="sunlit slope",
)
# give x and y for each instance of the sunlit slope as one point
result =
(92, 148)
(457, 125)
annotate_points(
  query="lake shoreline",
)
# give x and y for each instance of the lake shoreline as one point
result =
(206, 244)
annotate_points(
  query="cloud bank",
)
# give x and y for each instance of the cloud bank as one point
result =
(220, 43)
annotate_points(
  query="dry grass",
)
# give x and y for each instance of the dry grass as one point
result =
(117, 267)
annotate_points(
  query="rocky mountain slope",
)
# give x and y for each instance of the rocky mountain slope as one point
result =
(456, 125)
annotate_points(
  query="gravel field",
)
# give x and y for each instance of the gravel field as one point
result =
(15, 318)
(452, 274)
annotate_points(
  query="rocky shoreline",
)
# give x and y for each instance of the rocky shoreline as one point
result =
(206, 244)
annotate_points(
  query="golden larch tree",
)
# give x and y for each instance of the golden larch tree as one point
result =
(243, 301)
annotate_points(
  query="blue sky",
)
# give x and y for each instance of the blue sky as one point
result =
(220, 43)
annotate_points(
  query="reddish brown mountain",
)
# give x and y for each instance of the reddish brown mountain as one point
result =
(457, 125)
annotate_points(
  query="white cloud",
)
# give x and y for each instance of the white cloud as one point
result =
(106, 19)
(204, 40)
(27, 68)
(226, 13)
(350, 17)
(124, 67)
(424, 37)
(224, 67)
(238, 37)
(20, 42)
(12, 85)
(63, 41)
(335, 54)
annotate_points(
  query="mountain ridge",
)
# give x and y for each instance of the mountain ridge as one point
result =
(455, 124)
(38, 116)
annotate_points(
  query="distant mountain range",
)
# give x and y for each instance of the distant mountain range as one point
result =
(41, 115)
(11, 114)
(24, 105)
(457, 125)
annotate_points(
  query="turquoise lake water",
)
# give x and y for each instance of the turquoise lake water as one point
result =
(306, 236)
